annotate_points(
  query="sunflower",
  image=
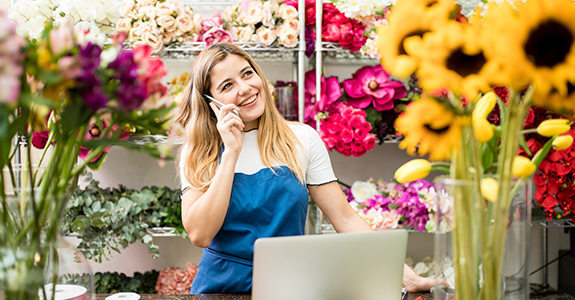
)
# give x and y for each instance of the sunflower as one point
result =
(409, 21)
(536, 44)
(430, 127)
(455, 56)
(557, 102)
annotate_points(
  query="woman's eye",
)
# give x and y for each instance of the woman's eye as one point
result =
(248, 73)
(226, 86)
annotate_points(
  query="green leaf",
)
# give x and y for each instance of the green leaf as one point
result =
(97, 219)
(372, 116)
(147, 238)
(98, 163)
(523, 145)
(504, 111)
(542, 153)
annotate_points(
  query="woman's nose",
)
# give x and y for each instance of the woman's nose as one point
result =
(243, 87)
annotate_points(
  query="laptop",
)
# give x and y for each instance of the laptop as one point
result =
(347, 266)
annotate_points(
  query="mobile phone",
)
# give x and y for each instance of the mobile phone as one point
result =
(220, 104)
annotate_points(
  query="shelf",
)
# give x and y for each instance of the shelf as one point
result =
(336, 54)
(189, 50)
(555, 223)
(162, 231)
(208, 5)
(151, 139)
(392, 139)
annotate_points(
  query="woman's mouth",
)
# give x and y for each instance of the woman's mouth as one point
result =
(249, 101)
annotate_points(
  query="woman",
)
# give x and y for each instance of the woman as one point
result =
(248, 175)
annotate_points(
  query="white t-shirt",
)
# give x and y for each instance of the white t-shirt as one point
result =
(314, 158)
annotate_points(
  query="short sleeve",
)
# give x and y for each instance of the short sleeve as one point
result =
(319, 170)
(185, 183)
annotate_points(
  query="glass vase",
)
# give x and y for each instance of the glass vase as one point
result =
(287, 102)
(33, 258)
(461, 244)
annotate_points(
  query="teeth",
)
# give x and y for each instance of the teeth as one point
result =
(249, 101)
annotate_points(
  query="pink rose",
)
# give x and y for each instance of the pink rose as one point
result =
(245, 34)
(369, 142)
(165, 9)
(61, 39)
(153, 41)
(209, 23)
(346, 135)
(356, 121)
(331, 32)
(216, 35)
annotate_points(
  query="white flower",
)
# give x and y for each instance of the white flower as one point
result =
(185, 23)
(167, 22)
(108, 55)
(167, 37)
(123, 25)
(389, 220)
(255, 13)
(421, 269)
(32, 28)
(127, 7)
(363, 190)
(152, 40)
(266, 35)
(197, 21)
(267, 17)
(291, 23)
(228, 13)
(23, 10)
(89, 32)
(287, 12)
(165, 9)
(288, 37)
(245, 34)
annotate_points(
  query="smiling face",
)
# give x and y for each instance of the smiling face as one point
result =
(233, 80)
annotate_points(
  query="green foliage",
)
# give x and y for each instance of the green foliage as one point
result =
(111, 283)
(107, 219)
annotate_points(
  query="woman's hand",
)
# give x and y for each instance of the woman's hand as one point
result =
(415, 283)
(229, 126)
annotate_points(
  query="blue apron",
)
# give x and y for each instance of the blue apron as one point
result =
(263, 204)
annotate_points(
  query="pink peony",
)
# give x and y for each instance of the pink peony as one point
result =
(372, 85)
(347, 131)
(154, 67)
(330, 93)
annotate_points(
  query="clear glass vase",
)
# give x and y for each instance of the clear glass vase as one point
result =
(462, 243)
(33, 257)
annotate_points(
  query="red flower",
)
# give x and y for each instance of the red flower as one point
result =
(347, 132)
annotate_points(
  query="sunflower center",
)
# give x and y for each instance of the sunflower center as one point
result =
(436, 130)
(431, 3)
(464, 64)
(418, 33)
(373, 85)
(549, 44)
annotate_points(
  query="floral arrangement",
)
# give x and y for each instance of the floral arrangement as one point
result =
(262, 21)
(213, 32)
(95, 19)
(175, 280)
(391, 205)
(88, 98)
(347, 131)
(157, 22)
(553, 183)
(500, 46)
(336, 27)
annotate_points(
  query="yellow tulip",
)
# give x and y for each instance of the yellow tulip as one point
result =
(562, 142)
(489, 189)
(522, 167)
(482, 129)
(413, 170)
(484, 105)
(553, 127)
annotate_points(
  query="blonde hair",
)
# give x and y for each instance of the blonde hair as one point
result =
(276, 141)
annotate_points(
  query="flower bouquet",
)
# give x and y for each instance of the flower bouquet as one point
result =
(516, 45)
(391, 205)
(264, 22)
(176, 280)
(157, 22)
(85, 98)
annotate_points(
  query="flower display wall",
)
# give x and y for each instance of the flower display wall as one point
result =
(265, 22)
(95, 19)
(155, 22)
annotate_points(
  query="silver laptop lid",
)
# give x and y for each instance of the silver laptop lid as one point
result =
(363, 266)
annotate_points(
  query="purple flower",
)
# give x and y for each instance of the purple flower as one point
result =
(372, 85)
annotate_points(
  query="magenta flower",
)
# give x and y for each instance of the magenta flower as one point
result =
(330, 93)
(372, 85)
